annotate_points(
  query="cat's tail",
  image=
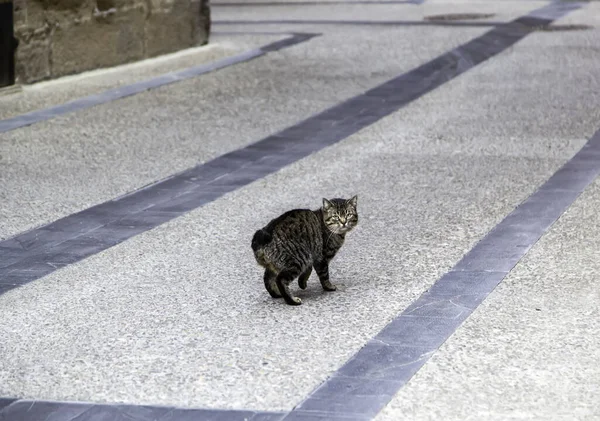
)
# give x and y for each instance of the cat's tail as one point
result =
(261, 238)
(259, 241)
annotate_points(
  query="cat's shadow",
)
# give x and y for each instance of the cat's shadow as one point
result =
(315, 292)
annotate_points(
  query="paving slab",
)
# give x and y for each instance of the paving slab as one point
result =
(48, 167)
(46, 94)
(166, 303)
(530, 350)
(177, 315)
(502, 10)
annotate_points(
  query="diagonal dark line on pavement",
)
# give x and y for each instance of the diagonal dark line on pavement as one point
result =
(114, 94)
(36, 253)
(30, 410)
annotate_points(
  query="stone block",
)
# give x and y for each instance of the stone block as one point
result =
(169, 28)
(32, 58)
(62, 37)
(30, 15)
(105, 40)
(20, 14)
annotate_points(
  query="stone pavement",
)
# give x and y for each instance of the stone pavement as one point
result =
(469, 291)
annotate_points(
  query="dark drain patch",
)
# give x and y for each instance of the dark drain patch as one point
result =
(458, 16)
(558, 28)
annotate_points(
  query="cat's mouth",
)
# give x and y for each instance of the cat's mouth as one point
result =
(343, 229)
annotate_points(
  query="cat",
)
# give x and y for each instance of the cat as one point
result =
(300, 239)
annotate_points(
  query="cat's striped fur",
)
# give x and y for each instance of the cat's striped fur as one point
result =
(300, 239)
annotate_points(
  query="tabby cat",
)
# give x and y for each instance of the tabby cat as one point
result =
(300, 239)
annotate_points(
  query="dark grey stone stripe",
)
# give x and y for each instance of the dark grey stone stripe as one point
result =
(136, 88)
(367, 382)
(28, 410)
(4, 402)
(36, 253)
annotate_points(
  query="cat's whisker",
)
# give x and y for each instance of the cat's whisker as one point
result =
(330, 235)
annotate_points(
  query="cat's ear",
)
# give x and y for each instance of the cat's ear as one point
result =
(353, 201)
(327, 205)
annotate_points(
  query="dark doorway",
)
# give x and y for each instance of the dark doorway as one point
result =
(7, 44)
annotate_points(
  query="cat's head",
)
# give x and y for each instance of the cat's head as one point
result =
(340, 215)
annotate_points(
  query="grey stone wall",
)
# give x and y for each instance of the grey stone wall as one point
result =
(61, 37)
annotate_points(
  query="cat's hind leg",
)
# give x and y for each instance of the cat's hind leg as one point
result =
(271, 283)
(303, 279)
(284, 279)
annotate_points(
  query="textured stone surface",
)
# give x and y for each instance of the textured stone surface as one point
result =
(530, 351)
(58, 38)
(100, 42)
(69, 88)
(167, 29)
(32, 60)
(204, 117)
(178, 314)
